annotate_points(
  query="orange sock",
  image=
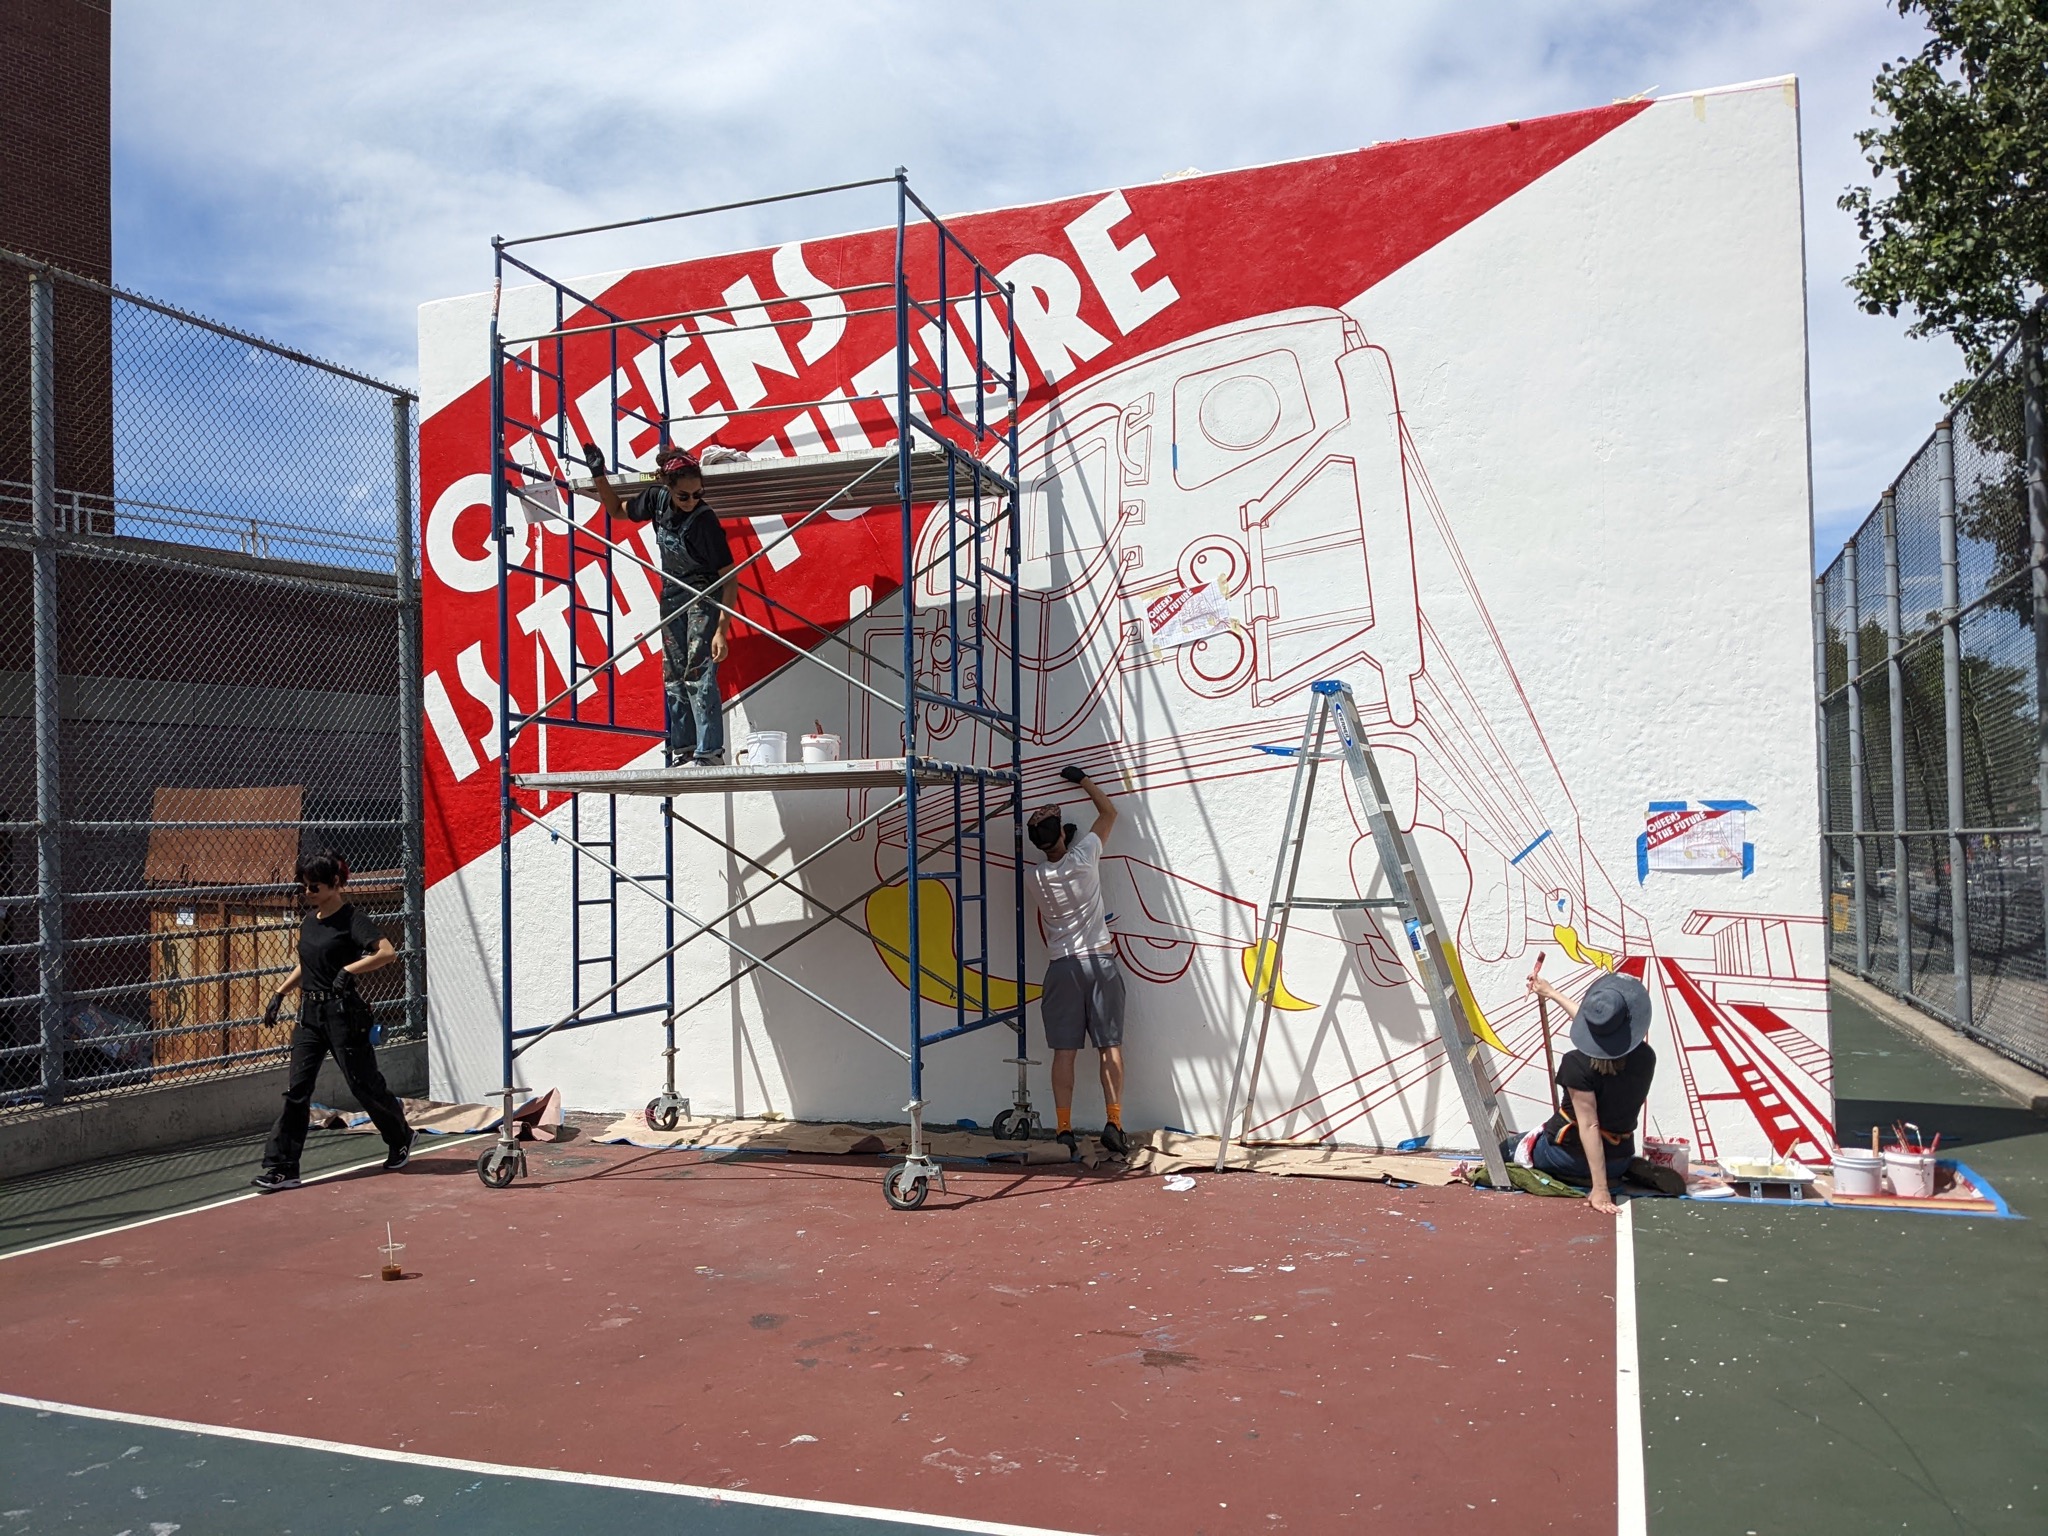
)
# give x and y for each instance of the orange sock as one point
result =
(1066, 1120)
(1113, 1112)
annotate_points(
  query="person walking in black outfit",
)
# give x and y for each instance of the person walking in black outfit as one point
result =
(337, 943)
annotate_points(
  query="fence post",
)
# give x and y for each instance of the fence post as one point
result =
(409, 721)
(2037, 540)
(1820, 710)
(1952, 721)
(1894, 639)
(42, 410)
(1859, 898)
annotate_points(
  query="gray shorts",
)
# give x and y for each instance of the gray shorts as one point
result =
(1083, 1002)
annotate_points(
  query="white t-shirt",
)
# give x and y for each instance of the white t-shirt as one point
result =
(1070, 901)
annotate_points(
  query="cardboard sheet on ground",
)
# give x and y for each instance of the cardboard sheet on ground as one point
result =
(538, 1119)
(1158, 1151)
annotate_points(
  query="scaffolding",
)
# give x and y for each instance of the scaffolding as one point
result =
(950, 478)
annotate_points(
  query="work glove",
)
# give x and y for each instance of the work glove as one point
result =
(1074, 774)
(594, 457)
(270, 1010)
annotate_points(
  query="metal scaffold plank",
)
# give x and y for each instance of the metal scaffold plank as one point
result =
(862, 478)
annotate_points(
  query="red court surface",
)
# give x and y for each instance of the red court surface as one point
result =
(1084, 1353)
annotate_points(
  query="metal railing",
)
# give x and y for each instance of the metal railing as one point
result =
(1931, 661)
(208, 666)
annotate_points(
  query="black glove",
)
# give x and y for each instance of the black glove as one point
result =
(594, 457)
(270, 1010)
(1074, 775)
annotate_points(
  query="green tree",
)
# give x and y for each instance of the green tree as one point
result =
(1956, 228)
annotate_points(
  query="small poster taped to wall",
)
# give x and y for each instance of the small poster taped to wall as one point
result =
(1190, 614)
(1696, 837)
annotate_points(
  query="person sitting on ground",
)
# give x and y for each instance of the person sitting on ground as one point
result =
(696, 597)
(1083, 999)
(1603, 1081)
(337, 943)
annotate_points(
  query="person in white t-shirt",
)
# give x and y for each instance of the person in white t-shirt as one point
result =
(1083, 1000)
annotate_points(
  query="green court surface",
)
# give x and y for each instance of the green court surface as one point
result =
(50, 1207)
(66, 1472)
(1855, 1371)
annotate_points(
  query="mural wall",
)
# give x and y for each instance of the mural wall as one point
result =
(1506, 428)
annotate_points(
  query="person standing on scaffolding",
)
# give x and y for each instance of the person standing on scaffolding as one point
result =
(1083, 999)
(337, 943)
(696, 595)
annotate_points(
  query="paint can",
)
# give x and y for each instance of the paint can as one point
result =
(764, 747)
(1857, 1172)
(820, 747)
(1912, 1173)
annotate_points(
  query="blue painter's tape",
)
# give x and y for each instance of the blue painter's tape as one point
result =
(1176, 458)
(1727, 805)
(1658, 807)
(1642, 857)
(1748, 860)
(1531, 848)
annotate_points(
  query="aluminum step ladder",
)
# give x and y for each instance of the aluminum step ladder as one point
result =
(1409, 896)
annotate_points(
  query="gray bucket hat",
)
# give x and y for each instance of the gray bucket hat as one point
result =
(1613, 1017)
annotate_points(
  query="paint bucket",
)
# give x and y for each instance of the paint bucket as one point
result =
(763, 747)
(1912, 1174)
(821, 747)
(1673, 1152)
(1857, 1172)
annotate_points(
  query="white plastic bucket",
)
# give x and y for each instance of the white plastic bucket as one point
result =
(764, 747)
(821, 747)
(1912, 1173)
(1857, 1173)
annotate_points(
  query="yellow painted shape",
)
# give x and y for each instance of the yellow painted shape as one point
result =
(888, 920)
(1269, 980)
(1474, 1016)
(1582, 954)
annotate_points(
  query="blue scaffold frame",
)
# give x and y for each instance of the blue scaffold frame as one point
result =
(935, 402)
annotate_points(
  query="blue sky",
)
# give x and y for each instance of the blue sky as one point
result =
(315, 171)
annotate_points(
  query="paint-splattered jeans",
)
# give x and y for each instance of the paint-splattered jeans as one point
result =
(696, 726)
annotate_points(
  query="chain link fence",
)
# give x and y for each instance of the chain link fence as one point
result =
(1931, 661)
(207, 663)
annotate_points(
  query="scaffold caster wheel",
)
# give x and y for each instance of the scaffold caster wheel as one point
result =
(664, 1115)
(904, 1189)
(499, 1166)
(1014, 1125)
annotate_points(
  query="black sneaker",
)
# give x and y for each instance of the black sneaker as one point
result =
(1657, 1176)
(395, 1159)
(271, 1180)
(1066, 1139)
(716, 760)
(1114, 1141)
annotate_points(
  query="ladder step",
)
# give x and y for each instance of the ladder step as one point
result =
(1346, 903)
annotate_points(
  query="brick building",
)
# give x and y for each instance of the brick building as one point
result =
(56, 204)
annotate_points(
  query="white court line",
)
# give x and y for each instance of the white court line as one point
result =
(1631, 1502)
(214, 1205)
(543, 1474)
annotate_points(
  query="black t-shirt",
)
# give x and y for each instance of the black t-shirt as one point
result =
(328, 943)
(693, 547)
(1619, 1098)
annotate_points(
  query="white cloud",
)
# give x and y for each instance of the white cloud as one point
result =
(317, 171)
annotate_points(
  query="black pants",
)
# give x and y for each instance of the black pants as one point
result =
(343, 1028)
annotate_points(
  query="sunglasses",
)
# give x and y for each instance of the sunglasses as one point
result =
(683, 495)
